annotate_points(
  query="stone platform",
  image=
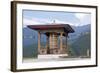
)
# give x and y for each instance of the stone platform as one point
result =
(51, 56)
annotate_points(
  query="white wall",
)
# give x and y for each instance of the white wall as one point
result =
(5, 37)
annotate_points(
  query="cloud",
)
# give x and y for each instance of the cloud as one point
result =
(27, 21)
(80, 16)
(63, 22)
(41, 21)
(83, 18)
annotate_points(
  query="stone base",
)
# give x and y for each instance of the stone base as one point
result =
(50, 56)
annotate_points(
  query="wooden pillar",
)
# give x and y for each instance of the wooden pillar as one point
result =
(50, 41)
(39, 43)
(67, 50)
(61, 42)
(47, 43)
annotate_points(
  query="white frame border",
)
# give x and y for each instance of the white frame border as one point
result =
(21, 65)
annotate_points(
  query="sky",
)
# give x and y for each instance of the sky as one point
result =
(33, 17)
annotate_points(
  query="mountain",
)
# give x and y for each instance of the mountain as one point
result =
(30, 41)
(78, 31)
(79, 41)
(81, 45)
(30, 51)
(30, 36)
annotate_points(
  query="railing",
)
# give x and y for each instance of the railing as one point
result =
(46, 50)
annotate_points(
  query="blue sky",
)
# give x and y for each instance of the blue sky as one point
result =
(44, 17)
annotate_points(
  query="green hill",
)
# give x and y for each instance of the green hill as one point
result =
(81, 45)
(30, 51)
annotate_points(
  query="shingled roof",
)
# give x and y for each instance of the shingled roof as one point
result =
(66, 27)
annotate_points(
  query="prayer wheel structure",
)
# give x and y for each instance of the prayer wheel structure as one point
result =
(54, 33)
(53, 40)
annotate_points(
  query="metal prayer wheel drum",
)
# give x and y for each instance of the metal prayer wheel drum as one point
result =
(53, 42)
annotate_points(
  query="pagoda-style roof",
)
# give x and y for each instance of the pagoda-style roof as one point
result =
(66, 27)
